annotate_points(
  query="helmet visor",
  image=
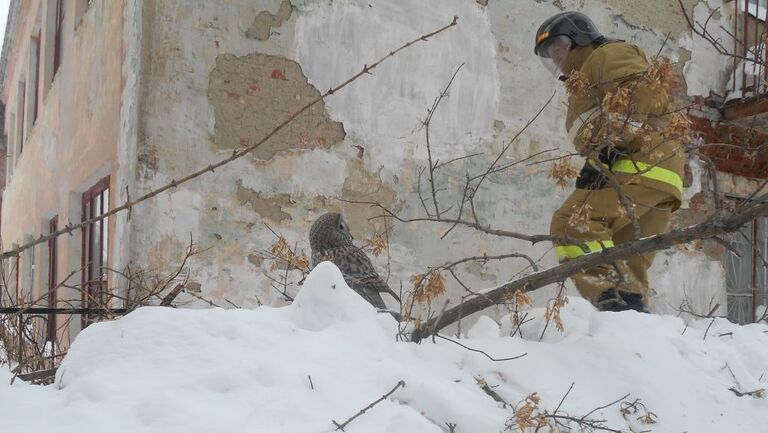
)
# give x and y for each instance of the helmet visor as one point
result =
(553, 53)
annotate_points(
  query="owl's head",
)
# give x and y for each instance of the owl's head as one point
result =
(329, 230)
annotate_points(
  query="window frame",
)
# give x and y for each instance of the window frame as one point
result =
(744, 291)
(95, 290)
(53, 284)
(58, 36)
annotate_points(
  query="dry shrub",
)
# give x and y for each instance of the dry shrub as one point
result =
(679, 125)
(577, 85)
(608, 129)
(520, 299)
(427, 287)
(517, 302)
(527, 415)
(562, 171)
(553, 311)
(638, 408)
(581, 217)
(660, 75)
(377, 244)
(617, 100)
(282, 253)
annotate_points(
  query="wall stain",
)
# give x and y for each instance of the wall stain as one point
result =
(264, 22)
(251, 95)
(267, 207)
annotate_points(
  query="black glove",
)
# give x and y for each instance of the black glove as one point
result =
(590, 178)
(609, 155)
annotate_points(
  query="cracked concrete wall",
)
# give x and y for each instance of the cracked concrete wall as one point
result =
(220, 77)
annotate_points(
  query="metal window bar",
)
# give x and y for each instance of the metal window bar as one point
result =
(747, 276)
(752, 40)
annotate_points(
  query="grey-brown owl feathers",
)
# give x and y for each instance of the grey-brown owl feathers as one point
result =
(329, 239)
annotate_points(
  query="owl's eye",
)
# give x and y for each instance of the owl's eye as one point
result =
(341, 226)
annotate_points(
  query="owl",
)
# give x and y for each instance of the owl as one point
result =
(329, 239)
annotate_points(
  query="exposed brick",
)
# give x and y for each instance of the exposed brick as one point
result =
(744, 151)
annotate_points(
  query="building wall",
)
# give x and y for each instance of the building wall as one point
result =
(220, 77)
(151, 90)
(73, 142)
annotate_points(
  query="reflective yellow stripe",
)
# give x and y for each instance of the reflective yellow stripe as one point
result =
(572, 251)
(651, 172)
(595, 163)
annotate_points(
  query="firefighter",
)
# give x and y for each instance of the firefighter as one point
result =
(635, 162)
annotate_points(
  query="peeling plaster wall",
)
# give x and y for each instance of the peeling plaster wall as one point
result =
(218, 77)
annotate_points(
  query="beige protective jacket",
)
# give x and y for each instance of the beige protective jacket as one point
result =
(652, 158)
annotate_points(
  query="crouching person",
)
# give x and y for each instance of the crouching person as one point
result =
(616, 121)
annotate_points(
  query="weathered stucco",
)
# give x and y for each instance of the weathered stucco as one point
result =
(221, 87)
(663, 16)
(254, 94)
(264, 22)
(193, 81)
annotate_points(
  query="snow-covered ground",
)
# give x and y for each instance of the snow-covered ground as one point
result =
(328, 355)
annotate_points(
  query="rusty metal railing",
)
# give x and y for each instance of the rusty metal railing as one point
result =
(750, 40)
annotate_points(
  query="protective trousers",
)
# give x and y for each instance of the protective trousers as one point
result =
(597, 219)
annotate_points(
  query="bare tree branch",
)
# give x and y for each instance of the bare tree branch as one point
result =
(725, 222)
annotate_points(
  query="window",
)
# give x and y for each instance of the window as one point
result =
(20, 128)
(747, 276)
(10, 149)
(58, 43)
(52, 281)
(36, 77)
(25, 276)
(95, 244)
(17, 273)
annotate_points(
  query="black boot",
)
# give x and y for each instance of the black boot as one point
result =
(616, 300)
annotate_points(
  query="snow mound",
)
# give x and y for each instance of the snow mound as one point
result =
(330, 354)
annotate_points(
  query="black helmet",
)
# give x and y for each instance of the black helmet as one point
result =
(575, 25)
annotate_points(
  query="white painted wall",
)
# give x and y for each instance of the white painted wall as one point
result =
(499, 89)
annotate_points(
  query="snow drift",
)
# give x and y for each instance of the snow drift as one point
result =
(330, 354)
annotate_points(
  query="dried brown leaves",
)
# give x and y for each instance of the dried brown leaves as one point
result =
(562, 171)
(528, 415)
(427, 287)
(607, 129)
(661, 75)
(517, 303)
(283, 254)
(679, 125)
(581, 218)
(617, 100)
(577, 85)
(638, 408)
(520, 299)
(377, 244)
(553, 311)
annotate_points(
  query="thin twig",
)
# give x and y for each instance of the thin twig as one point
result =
(480, 351)
(365, 409)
